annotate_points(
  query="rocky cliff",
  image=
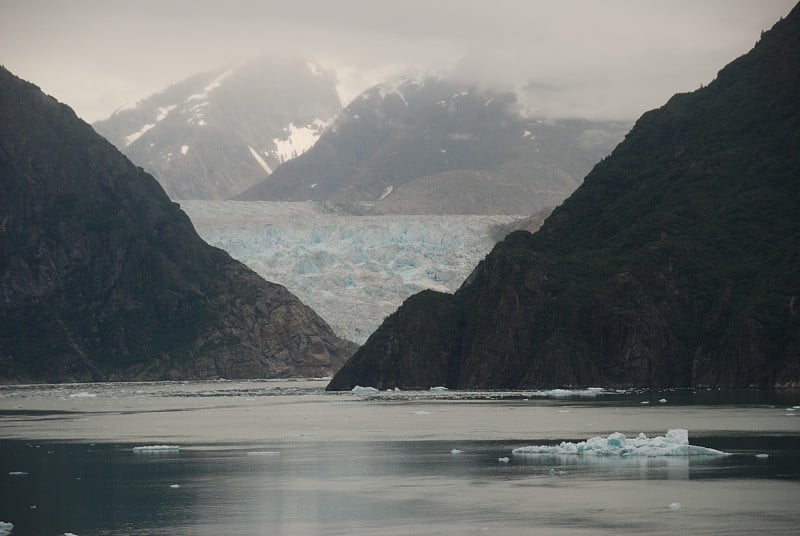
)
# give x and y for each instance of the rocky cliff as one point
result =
(102, 277)
(676, 263)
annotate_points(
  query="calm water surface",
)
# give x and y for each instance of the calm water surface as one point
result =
(287, 458)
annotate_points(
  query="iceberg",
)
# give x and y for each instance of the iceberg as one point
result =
(456, 451)
(6, 528)
(504, 459)
(156, 448)
(358, 390)
(674, 443)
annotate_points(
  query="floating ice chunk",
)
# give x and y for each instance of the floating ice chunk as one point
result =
(17, 473)
(762, 456)
(662, 401)
(674, 443)
(264, 453)
(184, 149)
(6, 528)
(83, 394)
(439, 388)
(70, 534)
(175, 486)
(156, 448)
(591, 392)
(504, 459)
(421, 412)
(644, 402)
(358, 390)
(456, 451)
(674, 506)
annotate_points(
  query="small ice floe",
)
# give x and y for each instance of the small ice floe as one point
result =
(174, 486)
(70, 534)
(83, 394)
(662, 401)
(674, 443)
(358, 390)
(504, 459)
(421, 412)
(644, 402)
(762, 456)
(264, 453)
(456, 451)
(6, 528)
(590, 392)
(156, 448)
(17, 473)
(439, 388)
(674, 506)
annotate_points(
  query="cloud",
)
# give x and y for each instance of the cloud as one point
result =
(615, 58)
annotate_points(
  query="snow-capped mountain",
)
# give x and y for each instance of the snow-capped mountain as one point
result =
(215, 134)
(429, 144)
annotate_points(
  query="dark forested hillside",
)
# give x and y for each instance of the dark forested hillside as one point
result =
(676, 263)
(103, 277)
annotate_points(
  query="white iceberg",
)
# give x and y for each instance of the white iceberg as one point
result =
(762, 456)
(674, 443)
(504, 459)
(456, 451)
(175, 486)
(591, 392)
(358, 390)
(83, 394)
(439, 388)
(6, 528)
(156, 448)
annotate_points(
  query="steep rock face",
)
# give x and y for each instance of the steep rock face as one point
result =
(103, 277)
(674, 264)
(215, 134)
(430, 145)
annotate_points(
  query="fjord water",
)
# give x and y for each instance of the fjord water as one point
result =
(284, 457)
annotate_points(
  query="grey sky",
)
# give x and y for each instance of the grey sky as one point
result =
(593, 58)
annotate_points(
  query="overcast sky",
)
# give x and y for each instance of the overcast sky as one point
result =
(592, 58)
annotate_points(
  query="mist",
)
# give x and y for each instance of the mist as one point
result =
(577, 58)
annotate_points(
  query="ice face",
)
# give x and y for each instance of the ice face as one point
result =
(352, 270)
(674, 443)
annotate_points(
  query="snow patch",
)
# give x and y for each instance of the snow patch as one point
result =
(298, 139)
(386, 192)
(260, 160)
(674, 443)
(163, 111)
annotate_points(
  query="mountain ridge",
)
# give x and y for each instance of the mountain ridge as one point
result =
(214, 134)
(102, 277)
(399, 142)
(674, 264)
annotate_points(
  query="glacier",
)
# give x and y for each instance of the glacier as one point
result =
(674, 443)
(352, 270)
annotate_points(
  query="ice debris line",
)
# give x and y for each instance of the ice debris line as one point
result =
(675, 443)
(156, 448)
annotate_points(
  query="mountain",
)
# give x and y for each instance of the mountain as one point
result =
(102, 277)
(216, 134)
(431, 145)
(675, 264)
